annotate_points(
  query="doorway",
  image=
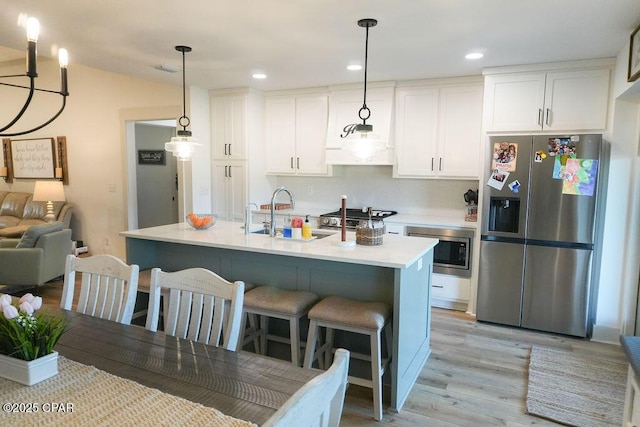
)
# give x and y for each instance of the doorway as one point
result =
(156, 175)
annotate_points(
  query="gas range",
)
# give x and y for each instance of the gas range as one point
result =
(352, 217)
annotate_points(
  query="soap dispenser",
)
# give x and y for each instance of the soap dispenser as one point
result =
(306, 228)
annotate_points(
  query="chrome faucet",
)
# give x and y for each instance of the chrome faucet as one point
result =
(247, 217)
(272, 226)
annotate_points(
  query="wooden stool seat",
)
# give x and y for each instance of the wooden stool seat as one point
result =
(269, 301)
(361, 317)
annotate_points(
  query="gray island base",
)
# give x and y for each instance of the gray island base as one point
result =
(397, 272)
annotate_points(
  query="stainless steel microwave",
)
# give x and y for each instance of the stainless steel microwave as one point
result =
(452, 255)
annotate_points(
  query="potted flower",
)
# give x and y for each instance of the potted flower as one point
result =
(27, 339)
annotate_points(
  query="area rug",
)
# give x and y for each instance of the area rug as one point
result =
(576, 390)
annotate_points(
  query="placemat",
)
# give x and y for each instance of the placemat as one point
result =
(82, 395)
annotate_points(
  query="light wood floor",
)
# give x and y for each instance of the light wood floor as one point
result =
(475, 376)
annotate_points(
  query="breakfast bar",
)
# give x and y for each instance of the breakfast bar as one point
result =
(397, 272)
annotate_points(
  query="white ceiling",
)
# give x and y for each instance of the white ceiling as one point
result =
(306, 43)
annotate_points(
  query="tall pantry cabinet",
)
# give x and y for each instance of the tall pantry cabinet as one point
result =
(235, 142)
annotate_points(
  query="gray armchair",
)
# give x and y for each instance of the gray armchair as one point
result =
(36, 258)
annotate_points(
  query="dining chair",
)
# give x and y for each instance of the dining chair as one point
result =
(108, 290)
(319, 402)
(203, 307)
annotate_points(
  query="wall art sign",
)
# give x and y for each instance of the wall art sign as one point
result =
(33, 158)
(634, 56)
(151, 157)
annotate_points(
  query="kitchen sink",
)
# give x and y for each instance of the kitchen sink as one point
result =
(316, 233)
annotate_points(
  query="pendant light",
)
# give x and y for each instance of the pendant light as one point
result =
(183, 145)
(359, 137)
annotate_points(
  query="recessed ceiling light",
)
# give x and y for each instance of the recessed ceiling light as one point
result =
(474, 55)
(354, 67)
(259, 76)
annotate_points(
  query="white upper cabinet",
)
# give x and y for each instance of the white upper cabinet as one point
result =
(229, 127)
(296, 130)
(551, 101)
(439, 131)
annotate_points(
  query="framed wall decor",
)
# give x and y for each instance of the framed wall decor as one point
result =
(634, 56)
(33, 158)
(151, 157)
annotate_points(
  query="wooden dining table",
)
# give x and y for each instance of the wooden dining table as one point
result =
(239, 384)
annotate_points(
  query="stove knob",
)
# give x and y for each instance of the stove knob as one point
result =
(334, 222)
(325, 221)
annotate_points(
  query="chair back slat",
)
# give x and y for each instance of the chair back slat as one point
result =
(108, 287)
(196, 308)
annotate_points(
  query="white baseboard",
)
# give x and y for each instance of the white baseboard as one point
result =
(605, 334)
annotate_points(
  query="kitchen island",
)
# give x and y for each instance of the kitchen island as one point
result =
(397, 272)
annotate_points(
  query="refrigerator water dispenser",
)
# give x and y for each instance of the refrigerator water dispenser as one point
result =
(504, 214)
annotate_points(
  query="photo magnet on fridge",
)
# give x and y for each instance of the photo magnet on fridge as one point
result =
(515, 186)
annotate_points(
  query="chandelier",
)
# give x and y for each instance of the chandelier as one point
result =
(359, 137)
(183, 145)
(33, 28)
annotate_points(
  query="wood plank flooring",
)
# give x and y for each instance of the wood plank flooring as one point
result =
(475, 376)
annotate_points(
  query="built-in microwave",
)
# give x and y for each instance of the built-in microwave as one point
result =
(452, 255)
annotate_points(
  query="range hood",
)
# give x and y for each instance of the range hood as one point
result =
(344, 104)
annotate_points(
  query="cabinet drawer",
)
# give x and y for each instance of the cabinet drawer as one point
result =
(453, 288)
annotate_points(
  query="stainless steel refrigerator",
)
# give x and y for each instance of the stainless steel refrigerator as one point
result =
(540, 234)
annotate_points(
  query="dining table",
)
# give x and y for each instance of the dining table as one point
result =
(242, 385)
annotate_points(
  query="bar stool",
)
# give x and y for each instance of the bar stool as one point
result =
(367, 318)
(269, 301)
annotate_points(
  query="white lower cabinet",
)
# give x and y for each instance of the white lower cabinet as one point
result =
(450, 291)
(229, 190)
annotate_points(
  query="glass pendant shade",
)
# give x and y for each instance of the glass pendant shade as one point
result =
(364, 145)
(182, 147)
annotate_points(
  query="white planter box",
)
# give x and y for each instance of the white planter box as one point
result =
(29, 373)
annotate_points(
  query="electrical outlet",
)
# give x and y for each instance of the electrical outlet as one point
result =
(310, 190)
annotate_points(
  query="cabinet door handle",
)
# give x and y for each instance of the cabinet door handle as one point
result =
(291, 162)
(540, 117)
(229, 154)
(225, 171)
(440, 165)
(225, 153)
(437, 286)
(546, 121)
(297, 162)
(229, 171)
(432, 164)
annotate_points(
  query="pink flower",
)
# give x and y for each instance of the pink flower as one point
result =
(26, 307)
(9, 311)
(26, 298)
(5, 300)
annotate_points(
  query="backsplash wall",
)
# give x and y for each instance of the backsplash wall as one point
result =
(374, 186)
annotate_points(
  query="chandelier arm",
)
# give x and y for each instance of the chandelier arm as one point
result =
(64, 104)
(24, 108)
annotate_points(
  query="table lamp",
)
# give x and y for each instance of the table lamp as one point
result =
(49, 191)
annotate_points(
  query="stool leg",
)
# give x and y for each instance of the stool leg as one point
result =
(264, 330)
(311, 344)
(375, 374)
(253, 327)
(243, 325)
(294, 338)
(328, 349)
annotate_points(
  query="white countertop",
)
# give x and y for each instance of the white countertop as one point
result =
(395, 252)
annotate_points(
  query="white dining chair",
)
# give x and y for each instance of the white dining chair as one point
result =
(319, 402)
(108, 289)
(202, 307)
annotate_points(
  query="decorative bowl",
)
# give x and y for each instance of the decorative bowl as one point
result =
(201, 221)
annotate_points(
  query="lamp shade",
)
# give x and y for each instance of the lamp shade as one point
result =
(48, 191)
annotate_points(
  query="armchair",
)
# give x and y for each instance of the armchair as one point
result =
(36, 258)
